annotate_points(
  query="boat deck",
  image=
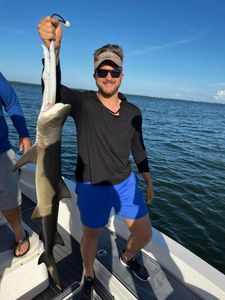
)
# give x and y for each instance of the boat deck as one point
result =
(162, 285)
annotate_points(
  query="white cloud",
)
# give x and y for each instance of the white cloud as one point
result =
(220, 95)
(146, 50)
(170, 44)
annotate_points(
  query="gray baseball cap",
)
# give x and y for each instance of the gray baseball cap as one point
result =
(108, 55)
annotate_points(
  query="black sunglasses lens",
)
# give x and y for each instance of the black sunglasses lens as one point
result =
(115, 73)
(102, 73)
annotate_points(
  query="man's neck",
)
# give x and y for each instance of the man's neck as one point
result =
(108, 99)
(112, 102)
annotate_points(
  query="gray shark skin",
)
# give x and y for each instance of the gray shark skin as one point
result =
(46, 154)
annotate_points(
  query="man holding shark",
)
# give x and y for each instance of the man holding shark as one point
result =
(108, 129)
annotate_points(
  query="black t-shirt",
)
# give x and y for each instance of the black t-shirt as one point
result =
(104, 140)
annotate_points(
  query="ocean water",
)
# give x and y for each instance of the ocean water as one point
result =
(185, 142)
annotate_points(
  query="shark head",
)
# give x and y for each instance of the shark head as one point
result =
(50, 122)
(55, 116)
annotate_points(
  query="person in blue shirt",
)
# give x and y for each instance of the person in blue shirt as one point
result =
(10, 194)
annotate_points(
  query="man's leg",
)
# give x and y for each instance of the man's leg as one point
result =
(10, 198)
(94, 213)
(141, 234)
(13, 216)
(88, 246)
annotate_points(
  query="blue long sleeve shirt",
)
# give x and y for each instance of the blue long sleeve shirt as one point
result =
(9, 100)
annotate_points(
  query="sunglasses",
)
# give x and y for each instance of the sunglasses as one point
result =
(102, 73)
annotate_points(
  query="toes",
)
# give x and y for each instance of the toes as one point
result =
(22, 248)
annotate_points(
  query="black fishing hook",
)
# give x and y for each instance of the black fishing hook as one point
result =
(61, 19)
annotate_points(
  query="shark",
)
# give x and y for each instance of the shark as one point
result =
(46, 154)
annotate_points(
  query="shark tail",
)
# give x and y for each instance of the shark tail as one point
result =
(28, 157)
(49, 261)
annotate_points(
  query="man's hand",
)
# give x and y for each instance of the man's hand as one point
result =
(149, 193)
(24, 144)
(149, 187)
(50, 29)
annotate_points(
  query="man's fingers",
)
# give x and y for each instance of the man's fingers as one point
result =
(50, 29)
(46, 28)
(24, 144)
(55, 22)
(149, 196)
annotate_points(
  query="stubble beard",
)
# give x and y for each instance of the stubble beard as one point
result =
(108, 93)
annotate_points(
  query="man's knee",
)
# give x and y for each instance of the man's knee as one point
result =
(91, 234)
(143, 230)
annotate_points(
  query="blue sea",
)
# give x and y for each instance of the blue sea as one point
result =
(185, 142)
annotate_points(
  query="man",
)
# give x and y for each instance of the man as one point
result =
(108, 128)
(10, 194)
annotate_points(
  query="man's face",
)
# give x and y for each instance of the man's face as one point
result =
(107, 83)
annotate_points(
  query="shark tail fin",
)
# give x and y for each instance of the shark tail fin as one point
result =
(49, 261)
(28, 157)
(63, 190)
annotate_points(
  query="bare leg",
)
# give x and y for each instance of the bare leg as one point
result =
(13, 216)
(141, 234)
(88, 246)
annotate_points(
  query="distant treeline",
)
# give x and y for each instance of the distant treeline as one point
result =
(147, 97)
(24, 83)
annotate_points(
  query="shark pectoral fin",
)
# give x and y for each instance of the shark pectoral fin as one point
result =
(58, 239)
(63, 190)
(28, 157)
(36, 214)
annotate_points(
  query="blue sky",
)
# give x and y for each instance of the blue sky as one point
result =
(173, 49)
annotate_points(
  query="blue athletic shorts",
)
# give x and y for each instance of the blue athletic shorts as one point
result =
(96, 201)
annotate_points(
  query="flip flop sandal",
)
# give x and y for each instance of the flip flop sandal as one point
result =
(20, 243)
